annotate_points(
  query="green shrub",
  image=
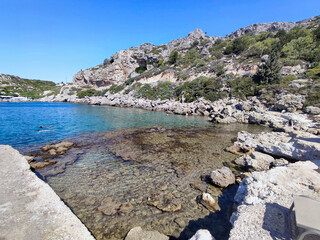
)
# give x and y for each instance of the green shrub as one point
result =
(173, 57)
(90, 92)
(199, 87)
(117, 88)
(243, 87)
(141, 69)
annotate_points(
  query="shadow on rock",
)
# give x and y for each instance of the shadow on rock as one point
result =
(217, 223)
(277, 221)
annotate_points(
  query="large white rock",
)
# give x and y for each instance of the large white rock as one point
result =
(202, 234)
(264, 199)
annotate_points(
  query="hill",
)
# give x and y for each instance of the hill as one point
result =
(15, 86)
(214, 67)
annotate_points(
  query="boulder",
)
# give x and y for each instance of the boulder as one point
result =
(298, 146)
(256, 161)
(222, 177)
(264, 198)
(137, 233)
(311, 110)
(57, 149)
(289, 102)
(209, 202)
(202, 234)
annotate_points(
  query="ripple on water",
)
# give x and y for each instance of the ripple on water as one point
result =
(148, 177)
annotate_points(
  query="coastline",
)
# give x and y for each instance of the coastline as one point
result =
(251, 112)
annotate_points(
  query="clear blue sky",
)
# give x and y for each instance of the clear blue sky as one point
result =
(53, 39)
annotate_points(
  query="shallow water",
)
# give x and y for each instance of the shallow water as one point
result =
(20, 122)
(149, 177)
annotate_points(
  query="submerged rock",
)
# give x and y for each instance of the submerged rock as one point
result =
(222, 177)
(137, 233)
(109, 207)
(208, 201)
(57, 149)
(166, 202)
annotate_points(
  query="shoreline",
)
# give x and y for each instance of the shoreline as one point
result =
(250, 112)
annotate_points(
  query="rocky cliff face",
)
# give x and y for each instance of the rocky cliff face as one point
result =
(197, 55)
(272, 27)
(123, 64)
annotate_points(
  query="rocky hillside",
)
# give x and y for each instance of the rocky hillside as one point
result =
(15, 86)
(287, 56)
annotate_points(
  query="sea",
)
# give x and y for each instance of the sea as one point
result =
(129, 167)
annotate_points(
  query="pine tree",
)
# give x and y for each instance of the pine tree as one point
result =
(270, 72)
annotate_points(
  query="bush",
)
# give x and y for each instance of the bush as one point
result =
(90, 92)
(199, 87)
(243, 87)
(141, 69)
(173, 57)
(116, 88)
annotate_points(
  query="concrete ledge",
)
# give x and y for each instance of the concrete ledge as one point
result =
(29, 208)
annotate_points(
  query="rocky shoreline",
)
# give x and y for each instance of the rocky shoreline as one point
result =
(295, 138)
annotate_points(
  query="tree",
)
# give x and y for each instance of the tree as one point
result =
(173, 57)
(269, 73)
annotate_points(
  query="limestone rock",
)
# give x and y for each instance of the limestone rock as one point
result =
(264, 199)
(289, 102)
(222, 177)
(208, 201)
(137, 233)
(38, 165)
(312, 110)
(202, 234)
(299, 146)
(256, 161)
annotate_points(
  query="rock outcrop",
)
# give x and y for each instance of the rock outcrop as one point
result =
(300, 146)
(264, 199)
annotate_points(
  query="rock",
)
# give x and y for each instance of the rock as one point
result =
(29, 158)
(165, 202)
(299, 146)
(202, 234)
(222, 177)
(137, 233)
(279, 162)
(208, 201)
(108, 206)
(311, 110)
(264, 58)
(38, 165)
(256, 161)
(289, 102)
(57, 149)
(264, 199)
(125, 208)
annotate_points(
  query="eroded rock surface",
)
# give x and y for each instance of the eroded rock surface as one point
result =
(264, 199)
(222, 177)
(138, 233)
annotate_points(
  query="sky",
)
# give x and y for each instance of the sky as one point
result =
(54, 39)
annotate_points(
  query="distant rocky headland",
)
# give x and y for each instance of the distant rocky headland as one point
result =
(266, 74)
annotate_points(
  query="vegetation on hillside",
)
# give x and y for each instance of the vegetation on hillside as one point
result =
(27, 88)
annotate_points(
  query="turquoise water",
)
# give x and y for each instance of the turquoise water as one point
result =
(29, 124)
